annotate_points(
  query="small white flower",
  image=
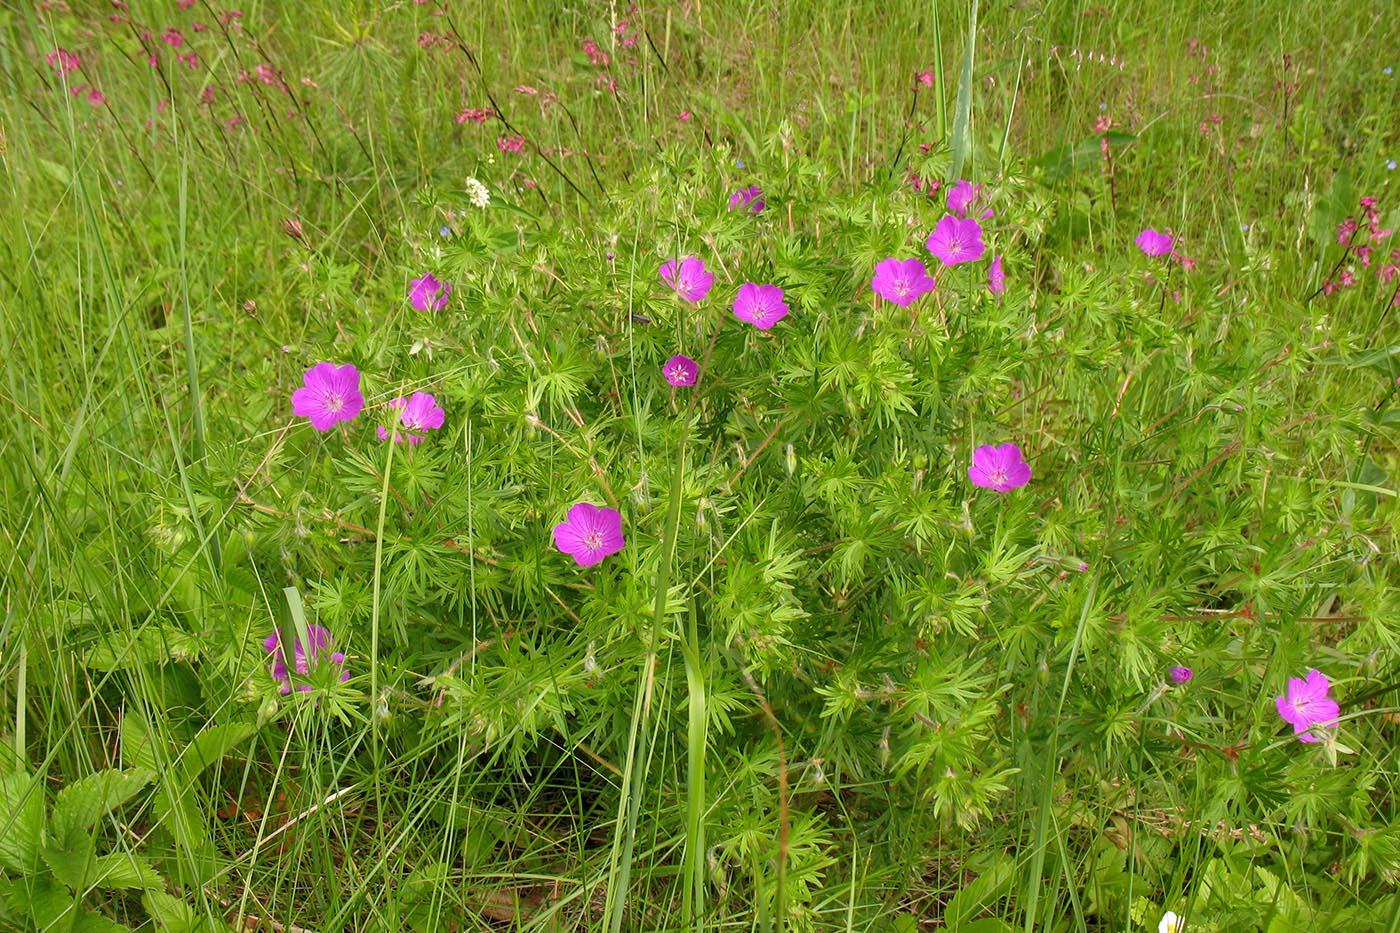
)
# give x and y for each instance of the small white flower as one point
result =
(1171, 923)
(477, 193)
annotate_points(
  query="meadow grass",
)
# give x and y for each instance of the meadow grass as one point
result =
(829, 682)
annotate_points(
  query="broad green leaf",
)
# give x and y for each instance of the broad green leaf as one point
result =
(70, 855)
(21, 822)
(124, 870)
(84, 802)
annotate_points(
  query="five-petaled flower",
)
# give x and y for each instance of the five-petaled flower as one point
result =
(680, 371)
(750, 199)
(331, 394)
(419, 413)
(429, 294)
(1170, 923)
(1000, 468)
(902, 281)
(321, 649)
(956, 240)
(688, 277)
(962, 196)
(1153, 243)
(590, 533)
(760, 305)
(1306, 705)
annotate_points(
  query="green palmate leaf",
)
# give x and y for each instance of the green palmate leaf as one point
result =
(21, 822)
(171, 915)
(125, 870)
(70, 856)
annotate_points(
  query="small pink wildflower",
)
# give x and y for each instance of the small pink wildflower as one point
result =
(63, 61)
(996, 278)
(688, 277)
(1153, 243)
(956, 240)
(419, 413)
(680, 371)
(589, 533)
(750, 199)
(760, 305)
(962, 196)
(684, 116)
(902, 282)
(475, 115)
(1000, 468)
(510, 143)
(925, 78)
(321, 647)
(428, 293)
(331, 393)
(1306, 706)
(596, 56)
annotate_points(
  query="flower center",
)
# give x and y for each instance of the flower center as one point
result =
(901, 287)
(998, 476)
(955, 245)
(593, 540)
(334, 402)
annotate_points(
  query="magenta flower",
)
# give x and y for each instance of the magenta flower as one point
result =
(419, 413)
(63, 61)
(996, 277)
(902, 281)
(1000, 468)
(962, 196)
(680, 371)
(321, 645)
(750, 199)
(1181, 675)
(956, 239)
(688, 277)
(429, 294)
(760, 305)
(1153, 243)
(590, 533)
(331, 394)
(1307, 705)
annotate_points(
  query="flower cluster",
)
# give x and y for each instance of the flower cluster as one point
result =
(1361, 239)
(321, 650)
(749, 199)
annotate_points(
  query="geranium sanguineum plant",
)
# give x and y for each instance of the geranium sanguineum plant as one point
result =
(1306, 706)
(589, 533)
(956, 240)
(901, 281)
(1153, 243)
(419, 414)
(996, 277)
(680, 371)
(749, 199)
(688, 277)
(429, 293)
(1000, 468)
(760, 305)
(321, 649)
(331, 394)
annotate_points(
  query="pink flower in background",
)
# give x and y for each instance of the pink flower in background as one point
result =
(590, 533)
(684, 116)
(902, 281)
(962, 196)
(1000, 468)
(331, 394)
(760, 305)
(475, 115)
(1306, 705)
(688, 277)
(996, 277)
(419, 413)
(320, 649)
(429, 294)
(925, 78)
(680, 371)
(1153, 243)
(1180, 675)
(750, 199)
(63, 61)
(596, 56)
(510, 143)
(956, 240)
